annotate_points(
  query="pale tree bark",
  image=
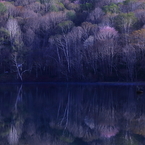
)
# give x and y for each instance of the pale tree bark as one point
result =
(13, 136)
(16, 44)
(19, 98)
(18, 66)
(63, 53)
(13, 28)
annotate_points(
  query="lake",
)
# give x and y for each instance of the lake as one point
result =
(72, 114)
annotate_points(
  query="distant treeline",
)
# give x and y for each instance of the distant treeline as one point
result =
(72, 40)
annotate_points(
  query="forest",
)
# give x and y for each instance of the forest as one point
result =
(72, 40)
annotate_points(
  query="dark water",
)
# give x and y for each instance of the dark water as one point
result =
(72, 114)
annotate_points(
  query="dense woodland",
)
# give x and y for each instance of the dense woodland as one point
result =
(72, 40)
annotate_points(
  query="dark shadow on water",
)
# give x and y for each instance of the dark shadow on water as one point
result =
(78, 141)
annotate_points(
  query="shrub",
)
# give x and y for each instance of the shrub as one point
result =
(112, 8)
(4, 36)
(3, 8)
(126, 2)
(87, 6)
(71, 15)
(53, 8)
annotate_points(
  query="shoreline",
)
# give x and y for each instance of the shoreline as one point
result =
(78, 83)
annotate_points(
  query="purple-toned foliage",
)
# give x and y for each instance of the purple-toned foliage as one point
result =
(106, 32)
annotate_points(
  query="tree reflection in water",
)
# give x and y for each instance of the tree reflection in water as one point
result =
(71, 115)
(13, 136)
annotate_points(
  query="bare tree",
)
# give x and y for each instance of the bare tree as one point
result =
(16, 44)
(35, 6)
(11, 9)
(129, 57)
(106, 38)
(13, 28)
(87, 28)
(106, 32)
(95, 15)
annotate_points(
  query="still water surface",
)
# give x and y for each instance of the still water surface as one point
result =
(72, 114)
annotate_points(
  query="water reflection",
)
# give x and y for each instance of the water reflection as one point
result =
(71, 115)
